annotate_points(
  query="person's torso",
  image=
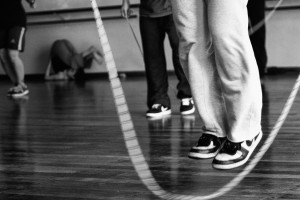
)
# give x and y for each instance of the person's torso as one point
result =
(155, 8)
(12, 13)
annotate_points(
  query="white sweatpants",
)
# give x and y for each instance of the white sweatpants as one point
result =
(218, 59)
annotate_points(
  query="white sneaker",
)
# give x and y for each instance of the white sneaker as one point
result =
(158, 110)
(233, 155)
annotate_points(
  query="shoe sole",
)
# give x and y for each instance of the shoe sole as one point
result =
(156, 115)
(202, 156)
(238, 164)
(188, 112)
(19, 95)
(195, 155)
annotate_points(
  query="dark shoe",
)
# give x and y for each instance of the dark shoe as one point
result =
(233, 155)
(208, 146)
(187, 106)
(158, 110)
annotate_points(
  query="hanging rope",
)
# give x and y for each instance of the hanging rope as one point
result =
(257, 26)
(135, 37)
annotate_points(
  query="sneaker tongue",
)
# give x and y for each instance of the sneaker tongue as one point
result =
(185, 102)
(204, 141)
(155, 106)
(231, 148)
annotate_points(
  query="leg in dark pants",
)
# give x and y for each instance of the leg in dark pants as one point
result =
(256, 13)
(153, 33)
(183, 86)
(153, 36)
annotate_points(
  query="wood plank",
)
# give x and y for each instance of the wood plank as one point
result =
(65, 142)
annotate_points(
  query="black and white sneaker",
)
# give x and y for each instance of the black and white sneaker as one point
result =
(208, 146)
(233, 155)
(158, 110)
(187, 106)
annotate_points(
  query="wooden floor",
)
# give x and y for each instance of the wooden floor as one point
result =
(64, 142)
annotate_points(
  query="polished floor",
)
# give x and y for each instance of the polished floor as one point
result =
(64, 142)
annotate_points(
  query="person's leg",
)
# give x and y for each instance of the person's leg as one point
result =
(155, 63)
(6, 65)
(237, 68)
(17, 65)
(239, 76)
(256, 13)
(227, 94)
(4, 59)
(16, 44)
(183, 86)
(75, 59)
(17, 34)
(197, 57)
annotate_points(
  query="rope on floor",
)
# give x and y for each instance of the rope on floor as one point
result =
(130, 137)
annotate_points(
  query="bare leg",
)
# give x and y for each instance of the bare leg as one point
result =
(18, 67)
(6, 64)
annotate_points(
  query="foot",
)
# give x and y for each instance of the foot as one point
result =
(18, 91)
(233, 155)
(187, 106)
(207, 147)
(158, 110)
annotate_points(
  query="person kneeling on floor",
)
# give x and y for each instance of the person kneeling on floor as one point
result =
(66, 63)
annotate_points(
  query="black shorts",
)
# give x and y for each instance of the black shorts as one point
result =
(12, 38)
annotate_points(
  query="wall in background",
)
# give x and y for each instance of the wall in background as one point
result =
(44, 5)
(39, 38)
(283, 31)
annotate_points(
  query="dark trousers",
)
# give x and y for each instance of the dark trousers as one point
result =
(256, 13)
(153, 33)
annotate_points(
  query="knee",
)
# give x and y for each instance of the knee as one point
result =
(224, 37)
(226, 44)
(13, 55)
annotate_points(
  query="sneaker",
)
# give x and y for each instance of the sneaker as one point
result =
(187, 106)
(158, 110)
(18, 91)
(208, 146)
(233, 155)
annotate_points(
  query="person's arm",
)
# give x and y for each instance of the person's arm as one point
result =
(125, 8)
(92, 54)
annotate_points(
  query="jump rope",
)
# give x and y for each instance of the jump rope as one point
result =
(130, 137)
